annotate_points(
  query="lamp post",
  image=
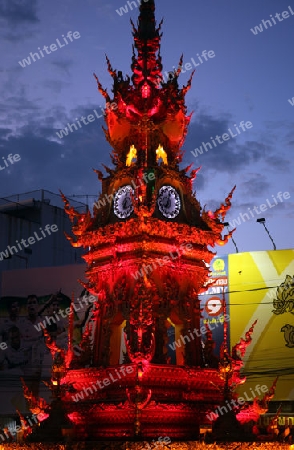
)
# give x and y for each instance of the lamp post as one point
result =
(226, 224)
(262, 220)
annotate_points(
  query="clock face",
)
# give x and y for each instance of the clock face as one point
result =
(169, 202)
(123, 205)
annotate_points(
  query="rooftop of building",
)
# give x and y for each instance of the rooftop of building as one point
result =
(34, 199)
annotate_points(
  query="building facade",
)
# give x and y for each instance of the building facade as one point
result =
(32, 228)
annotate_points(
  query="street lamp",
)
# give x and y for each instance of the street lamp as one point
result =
(226, 224)
(262, 220)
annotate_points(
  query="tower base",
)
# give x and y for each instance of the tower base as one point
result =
(161, 400)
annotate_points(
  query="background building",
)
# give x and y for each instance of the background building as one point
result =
(24, 216)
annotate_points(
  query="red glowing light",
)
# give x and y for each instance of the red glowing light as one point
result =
(146, 91)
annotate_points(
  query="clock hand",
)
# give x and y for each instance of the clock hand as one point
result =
(167, 203)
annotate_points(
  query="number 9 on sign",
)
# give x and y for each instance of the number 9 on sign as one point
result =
(214, 306)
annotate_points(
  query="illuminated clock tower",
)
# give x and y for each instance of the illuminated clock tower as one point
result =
(147, 260)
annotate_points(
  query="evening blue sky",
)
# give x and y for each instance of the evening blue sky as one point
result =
(249, 79)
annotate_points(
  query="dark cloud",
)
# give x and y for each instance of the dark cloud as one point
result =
(4, 132)
(16, 35)
(229, 156)
(19, 103)
(255, 184)
(273, 207)
(16, 19)
(17, 12)
(63, 65)
(278, 163)
(51, 163)
(55, 86)
(290, 137)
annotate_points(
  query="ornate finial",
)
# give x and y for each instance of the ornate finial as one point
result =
(147, 65)
(146, 21)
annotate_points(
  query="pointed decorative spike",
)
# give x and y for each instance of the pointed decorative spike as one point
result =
(71, 240)
(50, 343)
(189, 117)
(188, 85)
(180, 65)
(70, 211)
(99, 173)
(114, 159)
(225, 239)
(102, 91)
(240, 348)
(188, 168)
(133, 26)
(64, 199)
(159, 26)
(108, 170)
(85, 285)
(194, 173)
(224, 207)
(109, 68)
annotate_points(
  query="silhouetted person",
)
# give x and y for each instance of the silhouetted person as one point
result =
(13, 319)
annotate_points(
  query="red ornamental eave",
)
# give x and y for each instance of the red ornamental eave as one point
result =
(180, 394)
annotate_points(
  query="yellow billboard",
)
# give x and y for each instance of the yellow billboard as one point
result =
(261, 287)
